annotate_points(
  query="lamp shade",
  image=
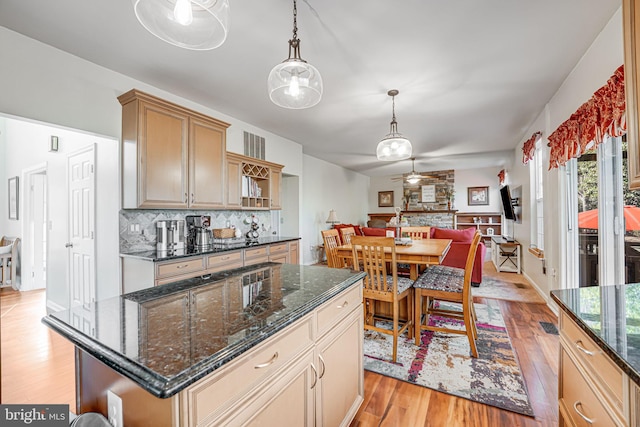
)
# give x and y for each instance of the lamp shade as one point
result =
(295, 84)
(333, 218)
(191, 24)
(394, 147)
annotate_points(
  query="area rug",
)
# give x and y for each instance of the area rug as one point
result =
(443, 362)
(520, 290)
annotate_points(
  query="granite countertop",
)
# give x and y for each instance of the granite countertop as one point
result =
(214, 248)
(167, 337)
(610, 315)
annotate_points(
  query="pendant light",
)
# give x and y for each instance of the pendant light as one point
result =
(191, 24)
(394, 146)
(294, 83)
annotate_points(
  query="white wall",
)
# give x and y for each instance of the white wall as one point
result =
(326, 186)
(42, 83)
(593, 70)
(26, 144)
(481, 177)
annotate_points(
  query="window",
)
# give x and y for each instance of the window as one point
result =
(536, 173)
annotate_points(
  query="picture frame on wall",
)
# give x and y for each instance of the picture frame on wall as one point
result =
(13, 198)
(385, 199)
(477, 196)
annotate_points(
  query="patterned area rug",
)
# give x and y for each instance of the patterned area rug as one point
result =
(443, 362)
(495, 288)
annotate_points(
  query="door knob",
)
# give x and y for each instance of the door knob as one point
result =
(68, 245)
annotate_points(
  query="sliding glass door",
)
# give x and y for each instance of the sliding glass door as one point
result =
(604, 220)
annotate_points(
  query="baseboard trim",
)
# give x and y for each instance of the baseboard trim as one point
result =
(52, 307)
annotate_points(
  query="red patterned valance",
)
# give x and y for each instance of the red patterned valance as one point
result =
(601, 116)
(501, 176)
(529, 147)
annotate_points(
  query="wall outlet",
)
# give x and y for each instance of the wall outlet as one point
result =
(114, 408)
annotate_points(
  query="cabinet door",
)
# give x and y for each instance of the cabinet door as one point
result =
(234, 179)
(339, 359)
(207, 151)
(286, 400)
(162, 180)
(294, 258)
(207, 320)
(276, 181)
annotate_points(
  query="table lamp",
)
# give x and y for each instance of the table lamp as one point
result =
(333, 218)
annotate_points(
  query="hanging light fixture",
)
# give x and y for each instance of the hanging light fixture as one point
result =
(191, 24)
(394, 146)
(294, 83)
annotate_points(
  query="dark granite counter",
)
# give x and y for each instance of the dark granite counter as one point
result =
(610, 315)
(212, 249)
(167, 337)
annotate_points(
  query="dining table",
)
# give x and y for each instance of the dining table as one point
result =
(416, 253)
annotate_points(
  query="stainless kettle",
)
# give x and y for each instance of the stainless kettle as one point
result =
(203, 237)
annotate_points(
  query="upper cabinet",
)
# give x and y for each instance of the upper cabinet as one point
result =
(172, 157)
(253, 183)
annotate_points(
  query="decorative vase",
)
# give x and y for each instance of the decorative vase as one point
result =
(449, 205)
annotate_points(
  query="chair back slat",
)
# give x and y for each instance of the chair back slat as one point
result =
(369, 252)
(331, 242)
(346, 233)
(416, 233)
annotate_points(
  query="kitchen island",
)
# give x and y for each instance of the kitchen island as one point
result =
(599, 371)
(270, 344)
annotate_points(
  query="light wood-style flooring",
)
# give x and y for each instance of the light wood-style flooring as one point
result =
(389, 402)
(37, 366)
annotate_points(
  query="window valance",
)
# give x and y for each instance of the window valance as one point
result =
(601, 116)
(529, 147)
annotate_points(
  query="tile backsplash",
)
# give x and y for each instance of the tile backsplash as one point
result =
(138, 227)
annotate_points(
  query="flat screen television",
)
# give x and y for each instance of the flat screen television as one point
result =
(507, 204)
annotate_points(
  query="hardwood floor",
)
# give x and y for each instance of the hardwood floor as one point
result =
(37, 366)
(389, 402)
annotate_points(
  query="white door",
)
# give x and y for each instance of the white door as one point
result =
(81, 243)
(38, 230)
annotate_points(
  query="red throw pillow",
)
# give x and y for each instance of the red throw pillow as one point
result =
(463, 236)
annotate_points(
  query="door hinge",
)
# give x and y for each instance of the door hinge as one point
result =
(92, 235)
(91, 168)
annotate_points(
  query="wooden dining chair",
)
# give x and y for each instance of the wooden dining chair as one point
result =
(417, 232)
(331, 242)
(346, 233)
(442, 283)
(381, 284)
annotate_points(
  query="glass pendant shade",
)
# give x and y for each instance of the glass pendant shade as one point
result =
(295, 84)
(394, 146)
(191, 24)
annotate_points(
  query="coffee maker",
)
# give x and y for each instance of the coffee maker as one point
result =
(170, 235)
(198, 233)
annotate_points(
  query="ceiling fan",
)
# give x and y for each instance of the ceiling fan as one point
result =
(413, 177)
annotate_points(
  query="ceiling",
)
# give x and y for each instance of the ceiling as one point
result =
(472, 75)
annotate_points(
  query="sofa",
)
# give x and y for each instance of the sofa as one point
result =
(457, 255)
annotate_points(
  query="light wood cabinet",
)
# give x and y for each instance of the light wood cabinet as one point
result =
(294, 253)
(234, 179)
(172, 157)
(257, 186)
(591, 386)
(139, 274)
(276, 184)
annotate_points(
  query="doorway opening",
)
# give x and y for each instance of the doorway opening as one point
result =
(35, 228)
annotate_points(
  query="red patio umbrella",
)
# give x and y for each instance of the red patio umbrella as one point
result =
(589, 219)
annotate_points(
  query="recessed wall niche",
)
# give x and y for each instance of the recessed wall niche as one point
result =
(442, 182)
